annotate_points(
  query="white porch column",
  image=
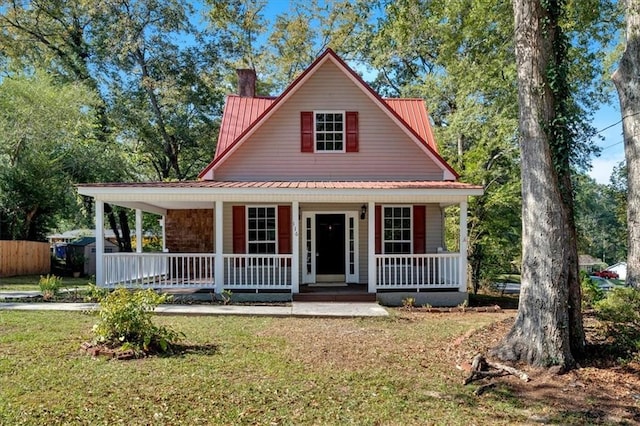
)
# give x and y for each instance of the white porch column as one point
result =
(219, 260)
(100, 273)
(138, 231)
(463, 247)
(164, 234)
(295, 247)
(371, 246)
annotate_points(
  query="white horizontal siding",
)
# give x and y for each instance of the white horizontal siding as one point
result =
(273, 151)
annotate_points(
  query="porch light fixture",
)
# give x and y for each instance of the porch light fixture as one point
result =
(363, 212)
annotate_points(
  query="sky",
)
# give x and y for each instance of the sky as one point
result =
(612, 145)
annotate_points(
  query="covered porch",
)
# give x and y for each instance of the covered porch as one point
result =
(304, 215)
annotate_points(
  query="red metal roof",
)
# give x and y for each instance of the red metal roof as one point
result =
(241, 112)
(414, 113)
(286, 184)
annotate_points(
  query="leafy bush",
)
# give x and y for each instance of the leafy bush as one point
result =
(620, 310)
(95, 293)
(591, 292)
(125, 321)
(50, 286)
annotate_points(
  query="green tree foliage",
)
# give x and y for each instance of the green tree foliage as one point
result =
(154, 71)
(601, 229)
(158, 75)
(47, 143)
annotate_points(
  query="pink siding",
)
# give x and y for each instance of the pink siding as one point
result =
(273, 152)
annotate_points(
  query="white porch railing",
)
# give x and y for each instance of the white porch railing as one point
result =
(159, 270)
(257, 272)
(417, 271)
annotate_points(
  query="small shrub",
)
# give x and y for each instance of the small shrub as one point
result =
(620, 311)
(408, 303)
(125, 322)
(226, 296)
(591, 292)
(95, 293)
(50, 286)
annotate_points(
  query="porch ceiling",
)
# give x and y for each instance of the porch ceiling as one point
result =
(157, 197)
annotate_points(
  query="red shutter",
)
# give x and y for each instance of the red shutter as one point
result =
(306, 131)
(419, 230)
(284, 229)
(239, 226)
(378, 231)
(352, 131)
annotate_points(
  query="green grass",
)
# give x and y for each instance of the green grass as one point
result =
(30, 282)
(249, 370)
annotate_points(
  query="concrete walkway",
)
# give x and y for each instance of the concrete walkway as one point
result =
(296, 309)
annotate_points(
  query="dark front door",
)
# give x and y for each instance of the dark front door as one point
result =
(330, 244)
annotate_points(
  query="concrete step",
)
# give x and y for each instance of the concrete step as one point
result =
(334, 297)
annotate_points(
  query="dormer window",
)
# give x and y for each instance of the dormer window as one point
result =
(329, 131)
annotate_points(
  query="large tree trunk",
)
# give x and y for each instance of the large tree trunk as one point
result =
(628, 85)
(547, 327)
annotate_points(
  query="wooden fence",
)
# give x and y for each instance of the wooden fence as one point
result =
(24, 258)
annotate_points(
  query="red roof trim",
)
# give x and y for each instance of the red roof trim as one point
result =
(292, 86)
(213, 184)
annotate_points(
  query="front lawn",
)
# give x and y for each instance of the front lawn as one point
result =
(261, 370)
(247, 370)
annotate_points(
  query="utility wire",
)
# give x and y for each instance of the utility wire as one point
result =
(617, 122)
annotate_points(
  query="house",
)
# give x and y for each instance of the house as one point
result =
(327, 184)
(619, 268)
(589, 263)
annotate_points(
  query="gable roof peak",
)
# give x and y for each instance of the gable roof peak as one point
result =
(329, 54)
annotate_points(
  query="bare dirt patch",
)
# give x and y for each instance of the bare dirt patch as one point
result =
(601, 391)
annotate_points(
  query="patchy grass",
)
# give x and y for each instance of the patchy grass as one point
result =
(245, 370)
(399, 370)
(30, 282)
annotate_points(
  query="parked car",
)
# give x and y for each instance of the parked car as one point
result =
(606, 274)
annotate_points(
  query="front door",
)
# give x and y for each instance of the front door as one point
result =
(330, 246)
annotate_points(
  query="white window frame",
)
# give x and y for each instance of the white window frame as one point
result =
(248, 241)
(384, 240)
(344, 132)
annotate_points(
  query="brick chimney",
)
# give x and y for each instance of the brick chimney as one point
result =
(246, 83)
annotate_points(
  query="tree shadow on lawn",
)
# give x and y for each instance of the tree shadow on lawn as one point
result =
(176, 350)
(506, 301)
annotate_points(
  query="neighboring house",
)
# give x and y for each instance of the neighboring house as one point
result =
(74, 234)
(84, 250)
(326, 184)
(589, 263)
(619, 268)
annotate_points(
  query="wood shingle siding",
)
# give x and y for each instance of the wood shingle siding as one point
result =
(189, 231)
